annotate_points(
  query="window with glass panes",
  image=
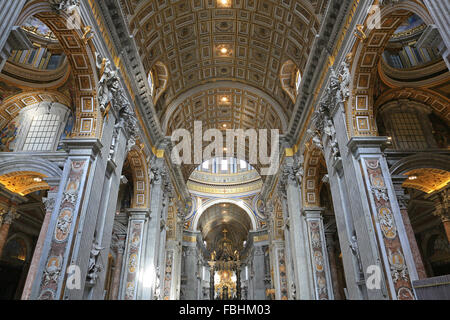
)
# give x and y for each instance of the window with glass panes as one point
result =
(42, 133)
(408, 132)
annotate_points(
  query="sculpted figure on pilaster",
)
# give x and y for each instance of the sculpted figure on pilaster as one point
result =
(267, 209)
(315, 138)
(181, 210)
(107, 84)
(49, 203)
(2, 214)
(345, 78)
(156, 171)
(293, 173)
(118, 237)
(322, 118)
(355, 251)
(64, 5)
(10, 216)
(442, 206)
(53, 269)
(111, 94)
(94, 266)
(384, 3)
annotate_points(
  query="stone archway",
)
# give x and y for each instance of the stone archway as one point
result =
(80, 54)
(141, 186)
(360, 105)
(202, 208)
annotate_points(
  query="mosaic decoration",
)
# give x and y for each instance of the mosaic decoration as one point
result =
(399, 272)
(168, 275)
(171, 222)
(318, 260)
(133, 259)
(8, 136)
(7, 90)
(278, 219)
(63, 232)
(282, 273)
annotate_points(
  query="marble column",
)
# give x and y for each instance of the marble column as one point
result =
(7, 220)
(190, 272)
(49, 203)
(153, 227)
(9, 12)
(280, 282)
(171, 272)
(298, 235)
(403, 200)
(117, 268)
(211, 280)
(446, 222)
(353, 211)
(333, 268)
(258, 274)
(133, 273)
(61, 246)
(289, 261)
(442, 210)
(319, 256)
(162, 257)
(396, 258)
(95, 282)
(78, 217)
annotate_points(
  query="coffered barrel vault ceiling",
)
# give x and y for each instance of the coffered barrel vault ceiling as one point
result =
(224, 108)
(200, 41)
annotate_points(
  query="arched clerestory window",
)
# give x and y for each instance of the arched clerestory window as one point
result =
(41, 126)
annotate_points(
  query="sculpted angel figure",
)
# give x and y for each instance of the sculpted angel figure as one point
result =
(298, 169)
(345, 80)
(315, 138)
(355, 251)
(64, 5)
(94, 268)
(108, 82)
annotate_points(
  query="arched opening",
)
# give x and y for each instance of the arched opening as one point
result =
(28, 189)
(134, 193)
(224, 221)
(317, 194)
(225, 230)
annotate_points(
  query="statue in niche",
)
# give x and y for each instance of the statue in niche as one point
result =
(355, 251)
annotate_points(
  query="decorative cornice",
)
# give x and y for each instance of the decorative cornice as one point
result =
(117, 26)
(318, 61)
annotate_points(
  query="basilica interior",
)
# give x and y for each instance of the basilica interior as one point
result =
(353, 94)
